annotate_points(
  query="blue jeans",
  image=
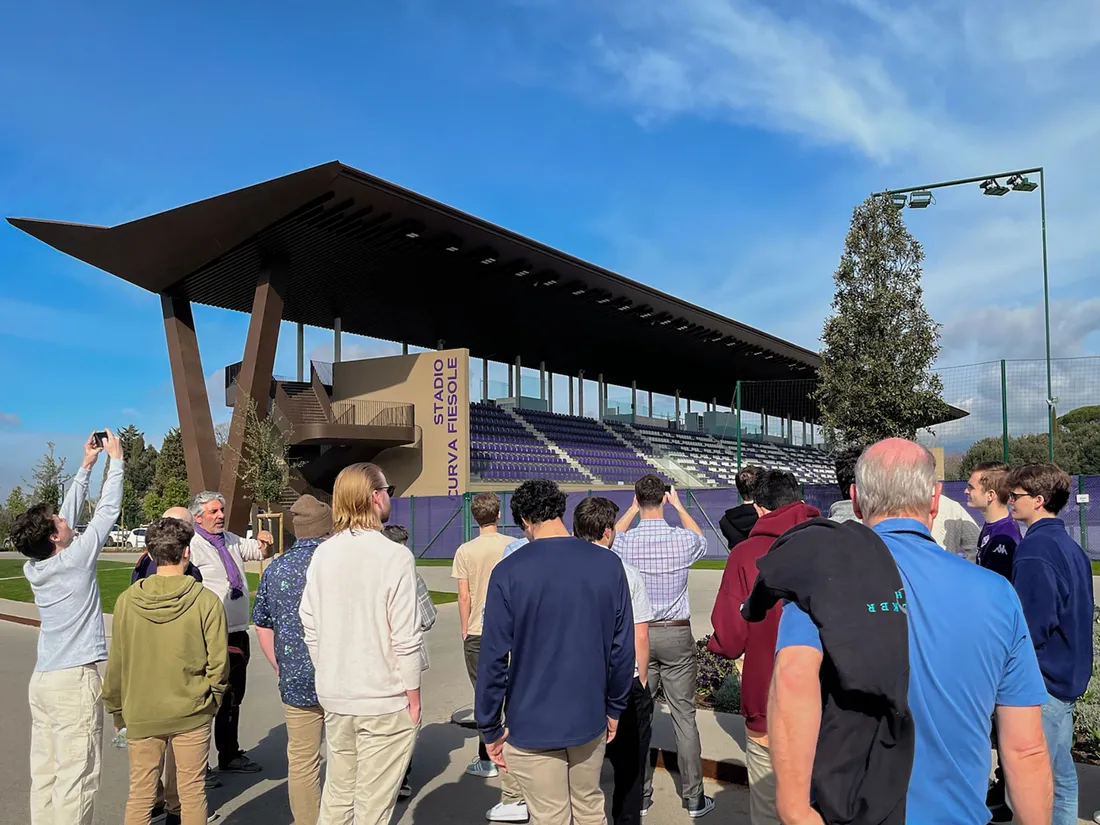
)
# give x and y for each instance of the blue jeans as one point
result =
(1058, 728)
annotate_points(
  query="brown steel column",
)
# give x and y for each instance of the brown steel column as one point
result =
(254, 381)
(192, 404)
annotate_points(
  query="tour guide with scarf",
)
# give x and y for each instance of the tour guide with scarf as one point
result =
(220, 557)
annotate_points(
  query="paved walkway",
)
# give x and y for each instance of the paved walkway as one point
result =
(444, 794)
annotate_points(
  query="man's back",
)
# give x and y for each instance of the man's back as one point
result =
(663, 555)
(561, 609)
(360, 623)
(969, 650)
(474, 561)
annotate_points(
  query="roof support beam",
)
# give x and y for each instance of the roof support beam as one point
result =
(192, 403)
(253, 382)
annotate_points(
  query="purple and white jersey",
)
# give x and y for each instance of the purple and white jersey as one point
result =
(997, 545)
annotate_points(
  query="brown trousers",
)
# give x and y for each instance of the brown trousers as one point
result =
(190, 750)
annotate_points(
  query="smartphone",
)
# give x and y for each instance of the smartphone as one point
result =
(668, 488)
(100, 437)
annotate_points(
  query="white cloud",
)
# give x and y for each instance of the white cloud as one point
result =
(9, 420)
(905, 94)
(130, 412)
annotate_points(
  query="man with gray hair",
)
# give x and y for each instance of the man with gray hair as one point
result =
(970, 658)
(220, 557)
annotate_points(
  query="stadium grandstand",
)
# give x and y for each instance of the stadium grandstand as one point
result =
(335, 248)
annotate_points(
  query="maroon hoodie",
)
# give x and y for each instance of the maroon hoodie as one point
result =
(733, 636)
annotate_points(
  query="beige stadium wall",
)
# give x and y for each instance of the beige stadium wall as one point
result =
(437, 384)
(937, 452)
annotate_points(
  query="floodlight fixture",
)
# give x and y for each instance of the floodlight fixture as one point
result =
(899, 200)
(920, 199)
(992, 187)
(1020, 183)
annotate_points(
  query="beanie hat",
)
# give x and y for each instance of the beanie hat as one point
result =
(312, 518)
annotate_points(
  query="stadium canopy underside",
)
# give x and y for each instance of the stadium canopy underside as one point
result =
(392, 264)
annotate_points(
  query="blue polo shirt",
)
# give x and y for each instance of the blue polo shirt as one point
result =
(969, 650)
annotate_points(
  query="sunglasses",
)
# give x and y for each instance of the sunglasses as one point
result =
(389, 490)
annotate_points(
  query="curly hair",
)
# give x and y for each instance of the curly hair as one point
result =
(537, 501)
(166, 539)
(30, 534)
(746, 479)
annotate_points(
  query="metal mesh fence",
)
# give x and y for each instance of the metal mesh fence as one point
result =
(439, 524)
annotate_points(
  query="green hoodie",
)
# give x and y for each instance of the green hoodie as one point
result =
(169, 664)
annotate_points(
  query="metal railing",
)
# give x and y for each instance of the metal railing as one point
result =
(373, 413)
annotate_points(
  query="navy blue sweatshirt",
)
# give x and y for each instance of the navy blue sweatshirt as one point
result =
(557, 645)
(1053, 578)
(146, 567)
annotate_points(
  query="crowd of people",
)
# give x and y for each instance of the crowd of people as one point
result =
(877, 670)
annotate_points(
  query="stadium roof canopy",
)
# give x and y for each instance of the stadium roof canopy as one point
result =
(395, 265)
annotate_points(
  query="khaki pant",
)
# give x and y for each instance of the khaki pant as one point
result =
(562, 787)
(367, 759)
(305, 729)
(66, 742)
(510, 793)
(758, 762)
(190, 751)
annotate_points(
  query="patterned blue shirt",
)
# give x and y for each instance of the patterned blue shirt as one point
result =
(277, 600)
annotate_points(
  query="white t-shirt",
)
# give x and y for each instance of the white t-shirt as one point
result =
(639, 600)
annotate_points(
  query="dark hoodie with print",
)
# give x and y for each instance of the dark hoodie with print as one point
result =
(168, 665)
(733, 637)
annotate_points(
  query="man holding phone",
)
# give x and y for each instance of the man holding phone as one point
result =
(65, 689)
(664, 554)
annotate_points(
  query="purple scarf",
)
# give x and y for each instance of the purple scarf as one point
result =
(232, 571)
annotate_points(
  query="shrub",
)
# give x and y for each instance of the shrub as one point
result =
(1086, 719)
(727, 699)
(713, 669)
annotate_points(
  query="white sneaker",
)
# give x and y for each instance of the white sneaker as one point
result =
(482, 768)
(1096, 818)
(507, 812)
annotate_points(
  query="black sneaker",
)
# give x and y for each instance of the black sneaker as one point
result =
(700, 806)
(240, 764)
(646, 805)
(212, 780)
(405, 791)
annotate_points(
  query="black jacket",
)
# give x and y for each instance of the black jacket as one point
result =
(865, 748)
(737, 523)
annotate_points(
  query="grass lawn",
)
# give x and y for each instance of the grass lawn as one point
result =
(434, 562)
(1096, 568)
(710, 564)
(114, 577)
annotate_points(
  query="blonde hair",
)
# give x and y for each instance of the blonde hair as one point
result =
(352, 498)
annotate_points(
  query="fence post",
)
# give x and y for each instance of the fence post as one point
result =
(412, 523)
(737, 399)
(467, 525)
(1004, 412)
(1081, 516)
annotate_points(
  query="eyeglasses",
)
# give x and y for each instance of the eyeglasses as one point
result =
(1013, 496)
(389, 490)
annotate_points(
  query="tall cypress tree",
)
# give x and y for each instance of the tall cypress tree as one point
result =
(879, 344)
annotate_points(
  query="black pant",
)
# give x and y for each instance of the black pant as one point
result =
(471, 650)
(228, 720)
(629, 754)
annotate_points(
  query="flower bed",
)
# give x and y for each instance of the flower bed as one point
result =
(718, 686)
(1086, 719)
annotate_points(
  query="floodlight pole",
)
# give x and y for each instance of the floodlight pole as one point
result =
(1038, 170)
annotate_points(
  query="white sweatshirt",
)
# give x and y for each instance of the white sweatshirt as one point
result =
(361, 624)
(206, 557)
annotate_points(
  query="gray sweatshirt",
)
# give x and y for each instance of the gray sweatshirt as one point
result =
(64, 585)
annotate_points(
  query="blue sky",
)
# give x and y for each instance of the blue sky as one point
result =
(712, 148)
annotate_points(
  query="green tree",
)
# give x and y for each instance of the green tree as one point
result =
(131, 505)
(151, 507)
(879, 344)
(141, 461)
(176, 493)
(170, 461)
(1024, 449)
(48, 478)
(14, 507)
(265, 461)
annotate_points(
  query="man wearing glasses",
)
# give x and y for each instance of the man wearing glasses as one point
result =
(1052, 576)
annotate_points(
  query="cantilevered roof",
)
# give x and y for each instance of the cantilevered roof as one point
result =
(395, 265)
